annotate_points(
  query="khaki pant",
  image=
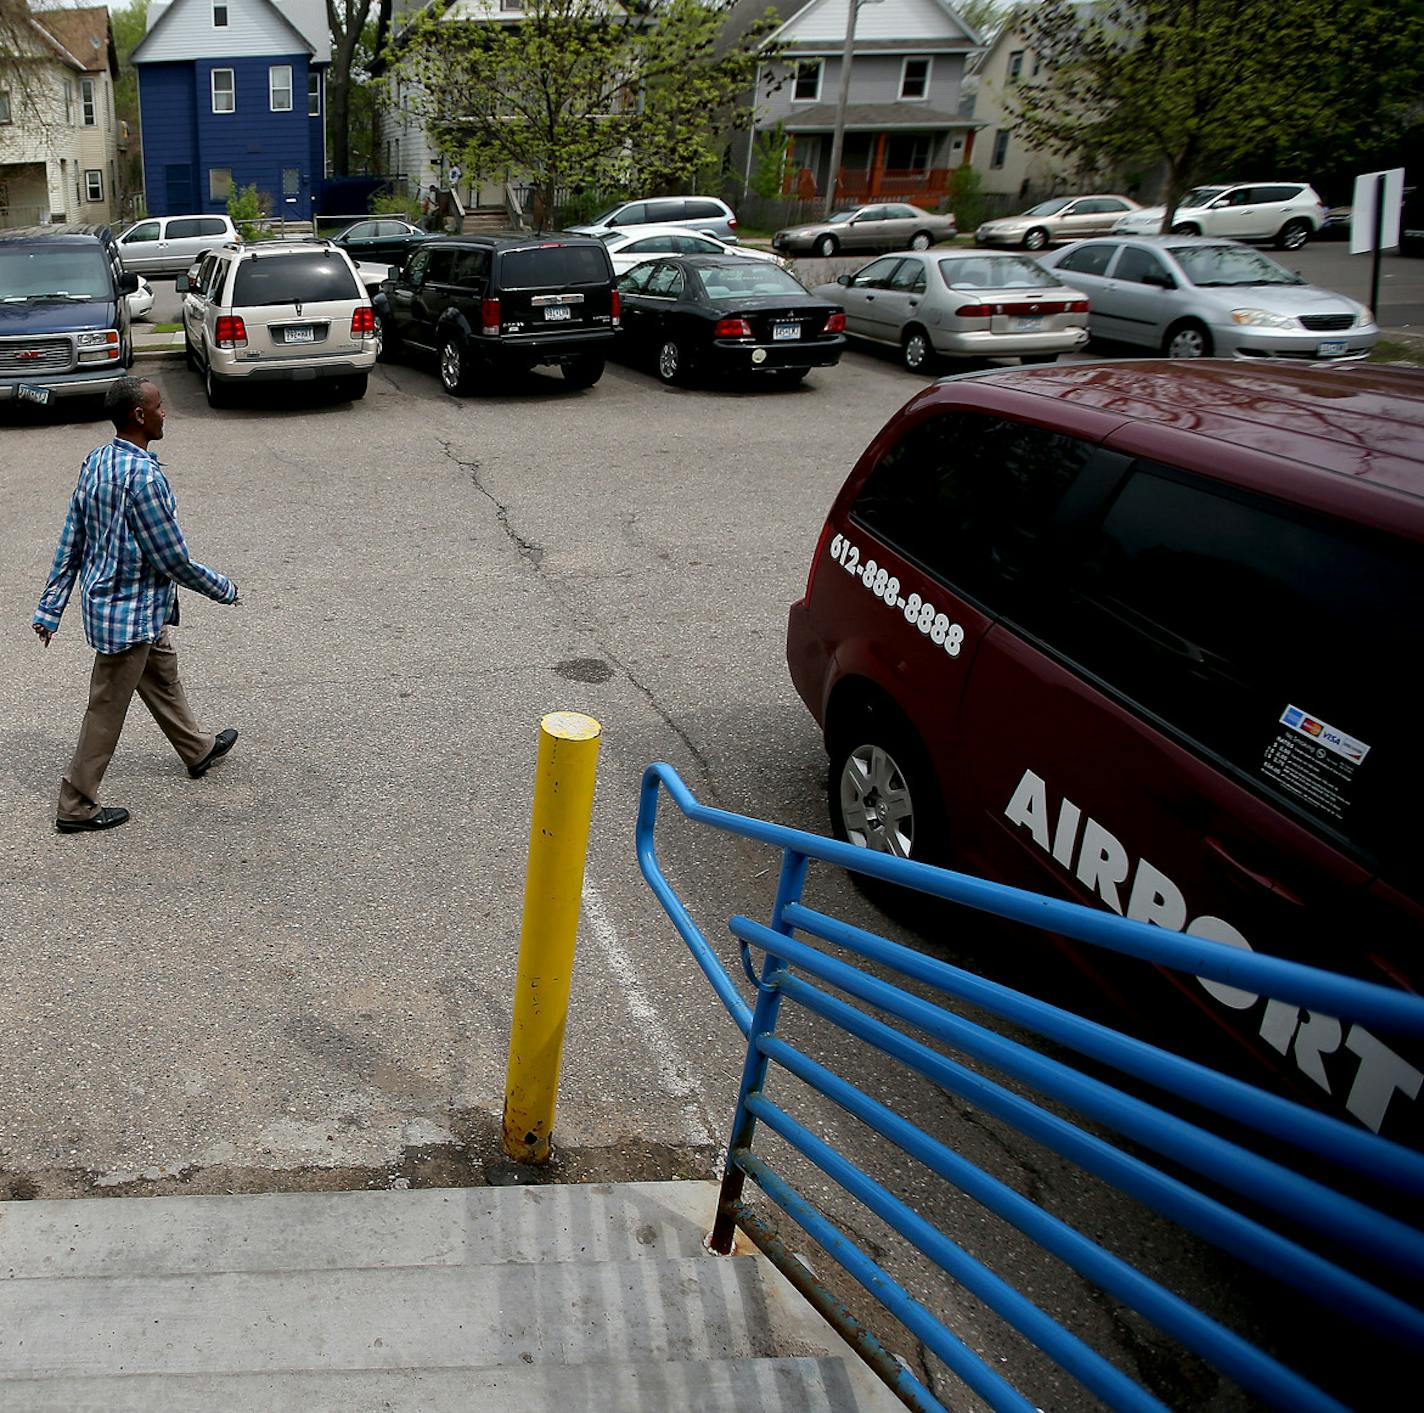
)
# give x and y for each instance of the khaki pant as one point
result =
(152, 670)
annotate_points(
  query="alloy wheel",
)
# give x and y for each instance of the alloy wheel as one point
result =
(1035, 240)
(450, 367)
(669, 362)
(875, 802)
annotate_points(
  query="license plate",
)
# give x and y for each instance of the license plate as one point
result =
(557, 312)
(785, 331)
(1332, 348)
(28, 392)
(1026, 323)
(301, 333)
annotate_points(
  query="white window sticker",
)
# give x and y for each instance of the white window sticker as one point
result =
(1324, 735)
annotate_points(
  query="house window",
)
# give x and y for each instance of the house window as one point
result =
(219, 16)
(808, 81)
(5, 114)
(279, 87)
(69, 102)
(219, 183)
(314, 95)
(93, 186)
(86, 95)
(1016, 62)
(511, 4)
(1001, 149)
(224, 91)
(915, 79)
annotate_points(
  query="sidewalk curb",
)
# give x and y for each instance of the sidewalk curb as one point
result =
(158, 353)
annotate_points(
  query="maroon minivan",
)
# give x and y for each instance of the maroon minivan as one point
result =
(1144, 635)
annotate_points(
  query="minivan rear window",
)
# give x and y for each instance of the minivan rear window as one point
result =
(554, 267)
(295, 278)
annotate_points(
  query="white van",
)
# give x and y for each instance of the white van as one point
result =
(161, 245)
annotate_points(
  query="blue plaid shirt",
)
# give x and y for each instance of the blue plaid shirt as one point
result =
(122, 542)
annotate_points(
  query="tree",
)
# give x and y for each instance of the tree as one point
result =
(25, 80)
(130, 26)
(1202, 86)
(581, 93)
(347, 20)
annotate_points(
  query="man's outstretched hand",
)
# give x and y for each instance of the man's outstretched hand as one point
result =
(44, 633)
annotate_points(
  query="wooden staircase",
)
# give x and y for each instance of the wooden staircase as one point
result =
(486, 220)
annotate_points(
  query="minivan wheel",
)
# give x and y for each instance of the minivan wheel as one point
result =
(583, 371)
(1187, 340)
(916, 350)
(453, 377)
(1293, 235)
(671, 368)
(921, 240)
(1036, 239)
(827, 246)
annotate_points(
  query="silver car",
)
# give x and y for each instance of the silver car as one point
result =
(1192, 297)
(962, 304)
(696, 213)
(160, 245)
(884, 226)
(1052, 222)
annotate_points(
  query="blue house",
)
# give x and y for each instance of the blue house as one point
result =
(232, 93)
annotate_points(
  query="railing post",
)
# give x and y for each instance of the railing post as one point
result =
(768, 1007)
(553, 888)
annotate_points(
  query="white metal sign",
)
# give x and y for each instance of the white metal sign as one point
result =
(1362, 212)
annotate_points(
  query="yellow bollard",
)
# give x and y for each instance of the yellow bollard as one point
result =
(553, 888)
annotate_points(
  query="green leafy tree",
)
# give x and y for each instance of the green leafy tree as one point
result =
(356, 37)
(130, 26)
(770, 149)
(1202, 87)
(581, 93)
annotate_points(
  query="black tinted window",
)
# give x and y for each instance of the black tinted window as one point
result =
(1088, 259)
(284, 279)
(442, 263)
(1277, 193)
(471, 268)
(970, 498)
(1271, 638)
(211, 225)
(704, 211)
(554, 267)
(1141, 266)
(667, 210)
(180, 230)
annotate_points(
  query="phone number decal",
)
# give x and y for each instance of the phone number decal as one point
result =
(919, 613)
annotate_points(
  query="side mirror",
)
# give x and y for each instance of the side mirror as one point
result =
(182, 284)
(393, 272)
(128, 283)
(843, 279)
(1220, 202)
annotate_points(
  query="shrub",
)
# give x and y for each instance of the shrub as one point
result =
(392, 203)
(246, 209)
(966, 198)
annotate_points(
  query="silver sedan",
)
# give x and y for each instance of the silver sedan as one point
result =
(1194, 297)
(1055, 221)
(886, 226)
(962, 304)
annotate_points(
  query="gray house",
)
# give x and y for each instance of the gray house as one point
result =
(904, 131)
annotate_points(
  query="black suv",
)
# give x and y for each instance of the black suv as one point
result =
(64, 318)
(503, 304)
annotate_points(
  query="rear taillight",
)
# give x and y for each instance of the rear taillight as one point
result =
(617, 308)
(816, 558)
(489, 316)
(732, 329)
(835, 324)
(1078, 306)
(975, 311)
(231, 332)
(731, 223)
(363, 322)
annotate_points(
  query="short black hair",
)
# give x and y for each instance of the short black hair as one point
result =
(123, 399)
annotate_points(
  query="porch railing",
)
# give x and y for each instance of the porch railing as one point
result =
(1323, 1235)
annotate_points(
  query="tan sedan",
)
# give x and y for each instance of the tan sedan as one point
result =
(1054, 222)
(885, 226)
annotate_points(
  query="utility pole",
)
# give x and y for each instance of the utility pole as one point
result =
(838, 140)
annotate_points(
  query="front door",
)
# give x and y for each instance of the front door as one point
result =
(866, 298)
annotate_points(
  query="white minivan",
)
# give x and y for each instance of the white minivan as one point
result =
(161, 245)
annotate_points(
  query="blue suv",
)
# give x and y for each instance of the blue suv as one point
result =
(64, 318)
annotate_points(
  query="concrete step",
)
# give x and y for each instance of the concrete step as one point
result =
(484, 219)
(798, 1385)
(599, 1295)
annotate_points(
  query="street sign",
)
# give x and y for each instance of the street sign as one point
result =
(1374, 215)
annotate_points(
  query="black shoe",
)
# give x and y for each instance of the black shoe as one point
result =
(110, 817)
(226, 740)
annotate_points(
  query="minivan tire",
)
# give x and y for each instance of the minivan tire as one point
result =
(1293, 235)
(583, 371)
(454, 375)
(1187, 339)
(827, 246)
(1035, 239)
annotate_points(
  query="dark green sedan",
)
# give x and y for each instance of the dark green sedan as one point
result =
(381, 241)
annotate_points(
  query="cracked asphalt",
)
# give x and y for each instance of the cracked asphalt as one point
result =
(298, 969)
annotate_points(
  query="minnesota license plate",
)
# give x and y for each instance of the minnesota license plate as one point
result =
(1026, 323)
(785, 331)
(29, 392)
(301, 333)
(556, 312)
(1332, 348)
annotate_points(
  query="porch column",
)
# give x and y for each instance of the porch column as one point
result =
(877, 164)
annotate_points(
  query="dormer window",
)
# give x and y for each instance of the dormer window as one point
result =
(915, 79)
(219, 16)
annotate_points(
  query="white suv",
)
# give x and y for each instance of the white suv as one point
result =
(1286, 213)
(281, 311)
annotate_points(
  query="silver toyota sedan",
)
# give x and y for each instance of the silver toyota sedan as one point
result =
(962, 304)
(1194, 297)
(1052, 222)
(882, 226)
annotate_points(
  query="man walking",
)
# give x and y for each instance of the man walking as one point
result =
(122, 542)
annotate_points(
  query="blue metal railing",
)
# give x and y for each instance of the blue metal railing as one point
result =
(1329, 1230)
